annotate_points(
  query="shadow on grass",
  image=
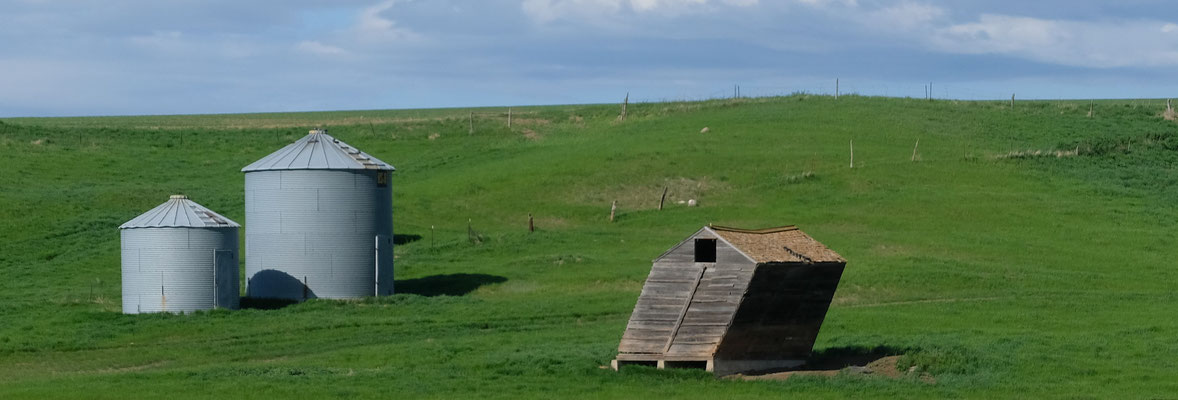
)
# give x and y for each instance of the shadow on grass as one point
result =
(832, 360)
(836, 358)
(250, 303)
(446, 285)
(405, 238)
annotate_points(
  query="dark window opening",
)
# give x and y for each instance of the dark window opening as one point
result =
(623, 364)
(686, 364)
(705, 250)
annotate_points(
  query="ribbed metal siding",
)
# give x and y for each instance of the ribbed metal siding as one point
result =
(171, 269)
(317, 227)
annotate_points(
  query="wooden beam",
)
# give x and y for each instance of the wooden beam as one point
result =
(686, 306)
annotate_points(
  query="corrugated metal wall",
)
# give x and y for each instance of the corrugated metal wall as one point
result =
(312, 233)
(171, 269)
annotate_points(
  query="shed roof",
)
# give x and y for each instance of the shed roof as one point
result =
(180, 212)
(780, 244)
(317, 150)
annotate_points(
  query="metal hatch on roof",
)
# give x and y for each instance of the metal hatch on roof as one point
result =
(180, 212)
(317, 150)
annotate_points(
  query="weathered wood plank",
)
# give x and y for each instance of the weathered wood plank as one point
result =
(641, 346)
(661, 298)
(669, 281)
(682, 339)
(649, 306)
(648, 324)
(686, 329)
(669, 286)
(672, 274)
(684, 350)
(686, 307)
(647, 334)
(672, 265)
(652, 315)
(725, 307)
(685, 250)
(639, 356)
(719, 320)
(709, 294)
(728, 255)
(682, 294)
(709, 316)
(720, 296)
(651, 301)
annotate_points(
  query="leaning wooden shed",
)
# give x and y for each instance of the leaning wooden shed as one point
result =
(733, 300)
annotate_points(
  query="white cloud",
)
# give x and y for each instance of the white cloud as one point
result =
(1101, 44)
(825, 3)
(906, 15)
(175, 44)
(159, 40)
(372, 25)
(550, 10)
(314, 47)
(652, 5)
(1091, 44)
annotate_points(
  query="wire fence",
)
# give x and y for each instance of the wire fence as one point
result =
(837, 87)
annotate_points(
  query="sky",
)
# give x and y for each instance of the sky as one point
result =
(123, 57)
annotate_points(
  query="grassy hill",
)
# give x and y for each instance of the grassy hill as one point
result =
(1024, 253)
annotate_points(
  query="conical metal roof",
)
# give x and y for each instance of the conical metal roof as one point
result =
(317, 150)
(179, 212)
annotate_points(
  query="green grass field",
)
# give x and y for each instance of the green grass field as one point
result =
(997, 272)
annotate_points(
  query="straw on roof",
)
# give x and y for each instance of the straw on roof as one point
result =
(780, 244)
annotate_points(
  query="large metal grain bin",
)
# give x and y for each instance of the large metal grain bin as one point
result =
(179, 257)
(319, 222)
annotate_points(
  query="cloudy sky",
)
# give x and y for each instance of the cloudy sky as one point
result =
(65, 57)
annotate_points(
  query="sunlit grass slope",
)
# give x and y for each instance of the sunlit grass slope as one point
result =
(1019, 253)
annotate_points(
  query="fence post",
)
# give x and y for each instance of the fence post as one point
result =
(625, 102)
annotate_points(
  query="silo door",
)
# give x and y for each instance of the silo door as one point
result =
(225, 280)
(383, 284)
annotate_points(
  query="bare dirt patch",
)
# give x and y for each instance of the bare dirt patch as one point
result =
(132, 368)
(551, 223)
(531, 134)
(1025, 154)
(864, 365)
(646, 196)
(530, 121)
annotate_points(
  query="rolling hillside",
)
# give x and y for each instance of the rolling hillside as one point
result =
(1022, 252)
